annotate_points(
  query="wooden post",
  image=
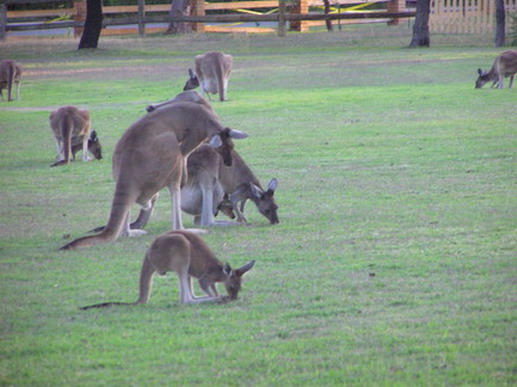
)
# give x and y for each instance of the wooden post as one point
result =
(141, 16)
(396, 6)
(79, 16)
(301, 7)
(3, 20)
(281, 18)
(198, 9)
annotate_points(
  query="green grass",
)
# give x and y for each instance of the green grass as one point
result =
(393, 264)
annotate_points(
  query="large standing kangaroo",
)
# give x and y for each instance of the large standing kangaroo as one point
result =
(212, 74)
(150, 156)
(10, 73)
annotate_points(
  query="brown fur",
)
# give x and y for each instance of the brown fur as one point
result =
(505, 65)
(10, 73)
(212, 73)
(71, 127)
(188, 255)
(150, 156)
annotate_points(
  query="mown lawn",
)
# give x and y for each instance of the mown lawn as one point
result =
(394, 260)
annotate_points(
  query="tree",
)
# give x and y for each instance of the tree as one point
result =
(421, 26)
(179, 8)
(500, 23)
(92, 25)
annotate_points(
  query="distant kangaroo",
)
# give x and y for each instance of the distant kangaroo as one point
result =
(71, 128)
(212, 73)
(94, 147)
(10, 73)
(505, 65)
(150, 156)
(189, 256)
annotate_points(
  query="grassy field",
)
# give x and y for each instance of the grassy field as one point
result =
(394, 262)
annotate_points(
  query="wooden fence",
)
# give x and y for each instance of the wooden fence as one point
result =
(299, 17)
(467, 16)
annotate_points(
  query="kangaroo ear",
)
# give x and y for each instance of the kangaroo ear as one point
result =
(256, 191)
(480, 72)
(227, 269)
(236, 134)
(272, 186)
(191, 73)
(93, 135)
(215, 141)
(242, 270)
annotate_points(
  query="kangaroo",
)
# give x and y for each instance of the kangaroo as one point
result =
(185, 96)
(213, 185)
(94, 146)
(212, 73)
(189, 256)
(150, 156)
(10, 73)
(505, 65)
(71, 127)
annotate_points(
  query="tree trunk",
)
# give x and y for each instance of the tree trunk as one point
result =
(421, 26)
(179, 8)
(500, 23)
(327, 11)
(92, 25)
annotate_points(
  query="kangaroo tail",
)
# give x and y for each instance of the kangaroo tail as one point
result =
(106, 305)
(120, 206)
(146, 282)
(10, 81)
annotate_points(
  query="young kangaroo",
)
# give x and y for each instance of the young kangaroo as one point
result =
(189, 256)
(150, 156)
(94, 146)
(505, 65)
(10, 73)
(212, 185)
(212, 74)
(71, 128)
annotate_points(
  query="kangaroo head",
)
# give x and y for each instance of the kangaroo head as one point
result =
(233, 279)
(223, 143)
(94, 145)
(192, 82)
(265, 200)
(482, 78)
(226, 207)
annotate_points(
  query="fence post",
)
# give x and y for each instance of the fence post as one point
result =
(301, 7)
(198, 9)
(3, 20)
(396, 6)
(79, 16)
(141, 16)
(281, 18)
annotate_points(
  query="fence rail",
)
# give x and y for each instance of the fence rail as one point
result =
(299, 16)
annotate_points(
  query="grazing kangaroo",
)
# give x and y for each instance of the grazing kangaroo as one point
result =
(505, 65)
(189, 256)
(150, 156)
(212, 73)
(94, 147)
(71, 128)
(10, 73)
(210, 183)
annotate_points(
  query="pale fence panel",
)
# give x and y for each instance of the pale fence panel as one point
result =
(467, 16)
